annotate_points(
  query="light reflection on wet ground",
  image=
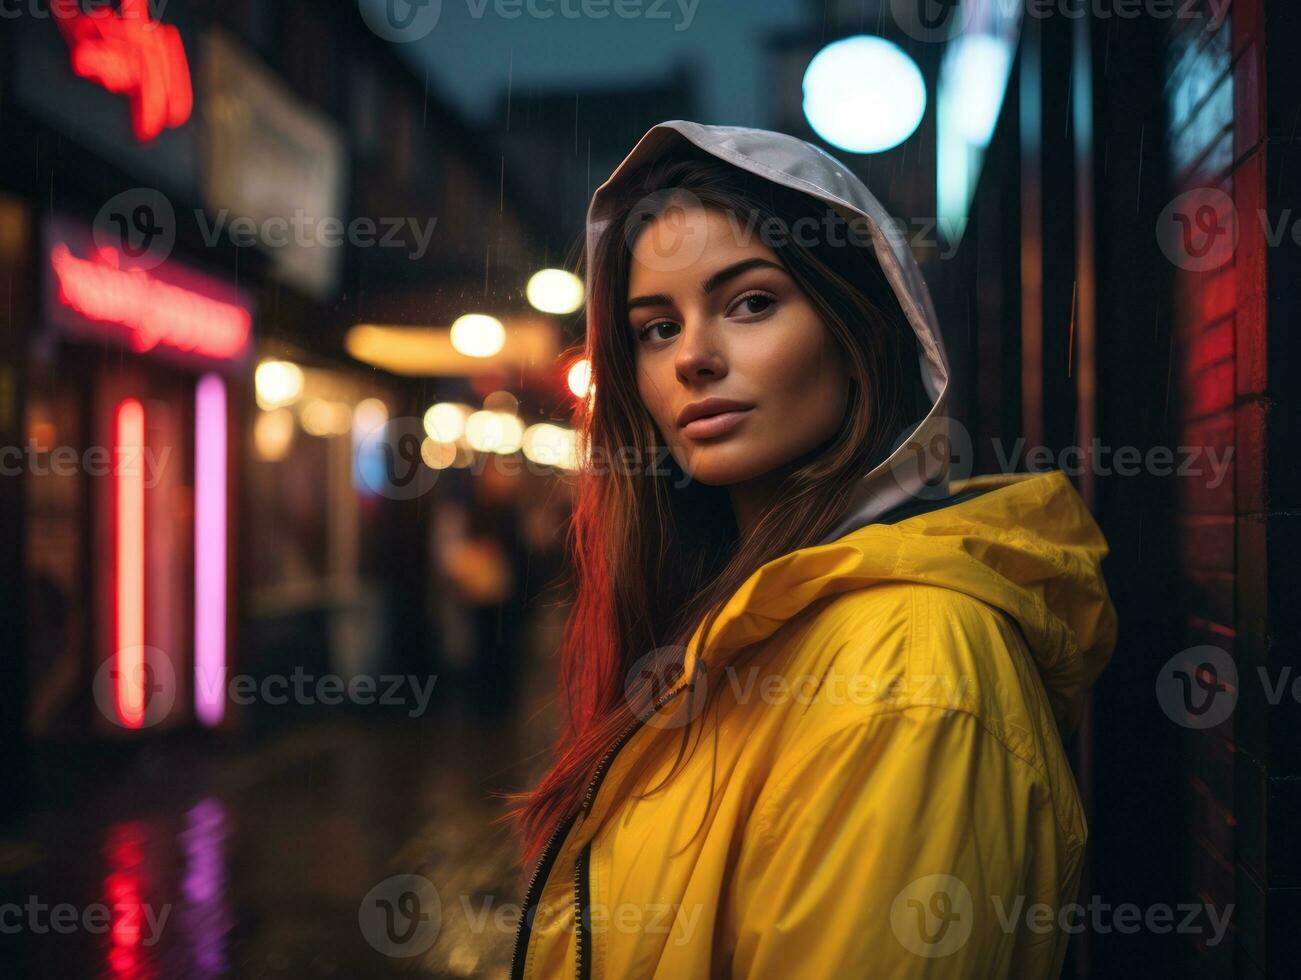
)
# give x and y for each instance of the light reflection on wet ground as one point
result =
(213, 860)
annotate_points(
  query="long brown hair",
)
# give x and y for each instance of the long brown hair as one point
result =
(655, 554)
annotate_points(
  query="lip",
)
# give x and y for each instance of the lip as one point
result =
(709, 426)
(710, 406)
(712, 417)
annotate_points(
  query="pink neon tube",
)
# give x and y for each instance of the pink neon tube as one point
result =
(209, 549)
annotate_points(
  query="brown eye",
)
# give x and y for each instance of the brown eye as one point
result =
(752, 304)
(643, 333)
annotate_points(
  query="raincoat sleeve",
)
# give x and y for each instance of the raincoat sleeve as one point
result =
(896, 846)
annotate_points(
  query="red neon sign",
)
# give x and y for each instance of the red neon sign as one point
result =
(153, 311)
(129, 53)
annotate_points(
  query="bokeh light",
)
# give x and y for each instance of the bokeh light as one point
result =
(555, 291)
(277, 383)
(864, 94)
(478, 335)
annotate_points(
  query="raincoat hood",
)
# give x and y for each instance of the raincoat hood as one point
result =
(802, 166)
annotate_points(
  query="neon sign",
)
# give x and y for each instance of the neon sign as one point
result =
(153, 312)
(129, 565)
(210, 542)
(131, 54)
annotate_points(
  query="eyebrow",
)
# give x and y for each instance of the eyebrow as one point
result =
(710, 284)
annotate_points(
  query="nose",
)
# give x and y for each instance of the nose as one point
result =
(699, 354)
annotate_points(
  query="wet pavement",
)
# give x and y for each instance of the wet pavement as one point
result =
(276, 855)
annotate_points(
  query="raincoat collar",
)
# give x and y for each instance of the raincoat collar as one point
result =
(1024, 543)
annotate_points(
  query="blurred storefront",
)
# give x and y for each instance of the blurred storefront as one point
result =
(200, 487)
(129, 466)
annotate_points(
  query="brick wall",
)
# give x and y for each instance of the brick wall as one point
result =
(1234, 781)
(1200, 92)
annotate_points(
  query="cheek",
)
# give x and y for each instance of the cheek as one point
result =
(653, 391)
(804, 374)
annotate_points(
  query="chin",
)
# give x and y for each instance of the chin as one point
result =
(720, 465)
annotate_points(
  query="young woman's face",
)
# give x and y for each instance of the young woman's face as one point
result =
(715, 316)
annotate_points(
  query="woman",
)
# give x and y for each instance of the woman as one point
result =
(815, 694)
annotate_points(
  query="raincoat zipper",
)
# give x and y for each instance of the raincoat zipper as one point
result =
(538, 879)
(582, 914)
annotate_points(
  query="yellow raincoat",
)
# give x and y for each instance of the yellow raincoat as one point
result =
(879, 788)
(888, 793)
